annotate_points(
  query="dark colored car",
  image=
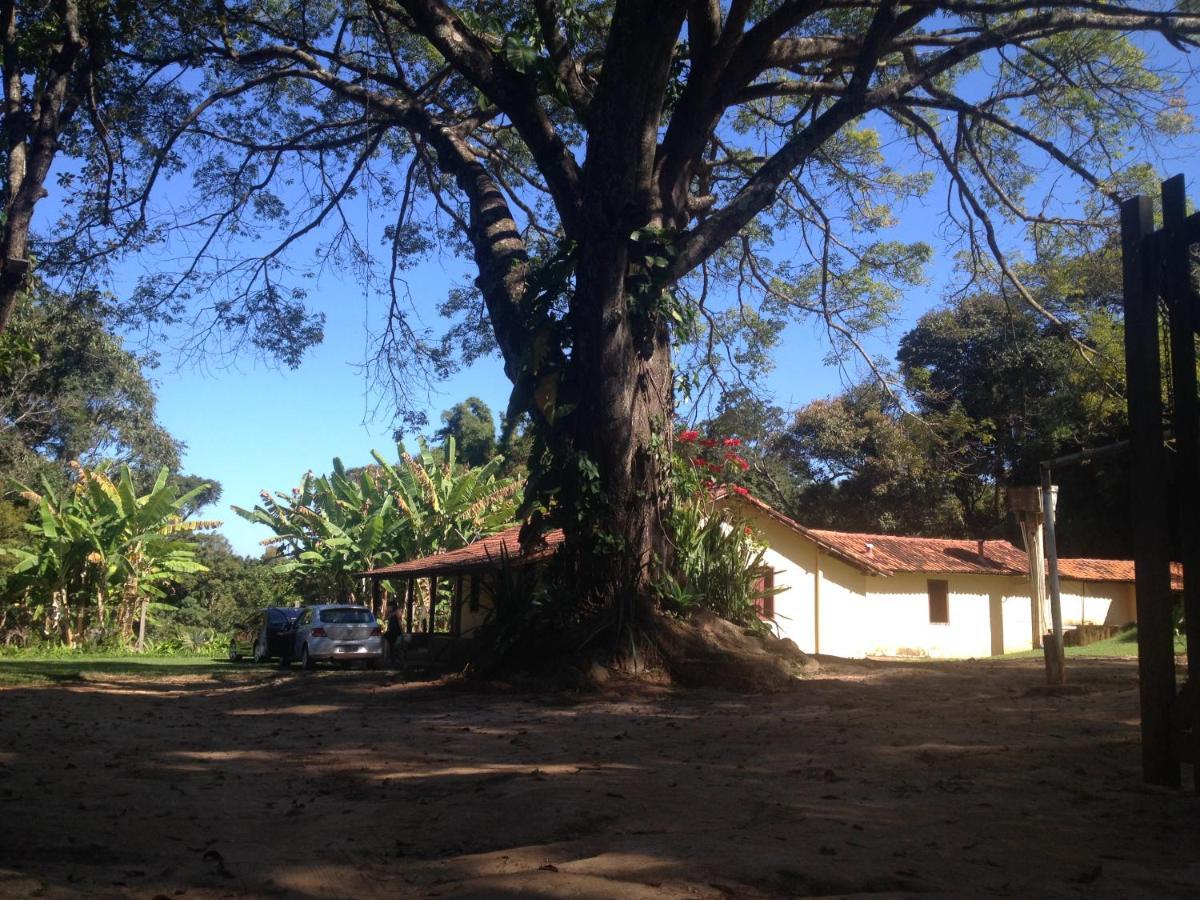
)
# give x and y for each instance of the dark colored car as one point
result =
(267, 635)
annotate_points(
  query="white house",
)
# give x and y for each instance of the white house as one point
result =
(839, 593)
(853, 594)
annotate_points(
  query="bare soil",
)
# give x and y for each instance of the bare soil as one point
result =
(884, 779)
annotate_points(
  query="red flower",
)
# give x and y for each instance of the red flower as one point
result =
(738, 489)
(688, 436)
(699, 462)
(714, 467)
(737, 461)
(732, 442)
(708, 442)
(747, 530)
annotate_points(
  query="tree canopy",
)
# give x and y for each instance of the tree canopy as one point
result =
(471, 426)
(71, 391)
(985, 390)
(634, 179)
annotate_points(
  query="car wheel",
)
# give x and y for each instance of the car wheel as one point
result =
(234, 656)
(306, 661)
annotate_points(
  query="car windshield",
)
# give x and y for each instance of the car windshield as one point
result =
(347, 616)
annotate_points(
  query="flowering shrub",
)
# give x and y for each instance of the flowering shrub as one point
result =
(707, 463)
(717, 554)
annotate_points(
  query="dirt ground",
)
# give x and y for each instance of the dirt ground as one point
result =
(901, 779)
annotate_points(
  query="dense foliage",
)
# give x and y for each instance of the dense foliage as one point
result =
(985, 390)
(719, 557)
(95, 555)
(332, 526)
(204, 607)
(69, 390)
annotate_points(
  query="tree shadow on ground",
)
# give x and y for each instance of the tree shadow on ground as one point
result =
(904, 779)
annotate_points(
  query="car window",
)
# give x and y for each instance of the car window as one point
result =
(347, 615)
(276, 618)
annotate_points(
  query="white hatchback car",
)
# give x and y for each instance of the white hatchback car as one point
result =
(336, 633)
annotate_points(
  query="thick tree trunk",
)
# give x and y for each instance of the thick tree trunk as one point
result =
(620, 373)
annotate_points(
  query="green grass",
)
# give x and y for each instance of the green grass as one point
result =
(21, 668)
(1123, 644)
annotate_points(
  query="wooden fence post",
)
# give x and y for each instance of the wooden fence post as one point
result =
(1181, 311)
(1156, 658)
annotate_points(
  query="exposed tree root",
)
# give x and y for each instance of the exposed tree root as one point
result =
(701, 651)
(707, 651)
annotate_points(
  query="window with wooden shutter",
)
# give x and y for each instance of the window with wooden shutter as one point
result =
(764, 593)
(939, 601)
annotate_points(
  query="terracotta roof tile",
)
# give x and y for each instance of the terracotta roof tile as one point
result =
(859, 561)
(482, 553)
(916, 554)
(1109, 570)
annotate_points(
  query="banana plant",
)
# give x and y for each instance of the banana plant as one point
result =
(98, 551)
(332, 526)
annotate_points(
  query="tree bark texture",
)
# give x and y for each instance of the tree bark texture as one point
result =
(34, 118)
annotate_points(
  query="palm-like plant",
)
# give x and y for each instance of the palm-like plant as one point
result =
(332, 526)
(98, 551)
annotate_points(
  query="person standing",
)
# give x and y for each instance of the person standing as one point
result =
(393, 633)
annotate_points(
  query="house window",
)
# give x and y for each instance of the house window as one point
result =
(939, 601)
(764, 593)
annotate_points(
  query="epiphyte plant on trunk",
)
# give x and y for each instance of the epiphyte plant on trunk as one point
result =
(729, 157)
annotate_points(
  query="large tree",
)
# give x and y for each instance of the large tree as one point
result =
(71, 391)
(623, 173)
(471, 426)
(74, 90)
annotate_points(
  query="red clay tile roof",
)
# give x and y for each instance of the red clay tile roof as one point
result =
(915, 554)
(1109, 570)
(484, 553)
(887, 555)
(857, 560)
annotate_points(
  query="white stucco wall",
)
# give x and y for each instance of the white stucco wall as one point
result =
(988, 615)
(867, 615)
(1097, 603)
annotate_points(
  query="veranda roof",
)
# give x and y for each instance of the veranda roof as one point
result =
(486, 553)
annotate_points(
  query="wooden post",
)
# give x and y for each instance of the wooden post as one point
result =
(376, 593)
(408, 603)
(1026, 503)
(1181, 311)
(431, 622)
(456, 611)
(1056, 659)
(141, 644)
(1156, 658)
